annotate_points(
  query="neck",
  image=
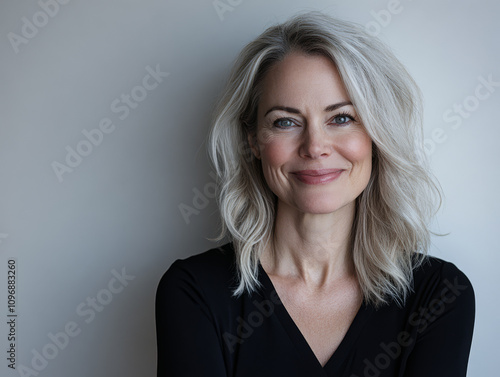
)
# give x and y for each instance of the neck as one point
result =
(313, 249)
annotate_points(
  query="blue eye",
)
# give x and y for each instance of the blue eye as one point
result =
(283, 123)
(343, 119)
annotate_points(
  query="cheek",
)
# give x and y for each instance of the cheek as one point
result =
(356, 147)
(275, 149)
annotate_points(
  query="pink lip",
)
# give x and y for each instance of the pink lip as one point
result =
(316, 177)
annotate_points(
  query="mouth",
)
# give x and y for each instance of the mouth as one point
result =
(316, 177)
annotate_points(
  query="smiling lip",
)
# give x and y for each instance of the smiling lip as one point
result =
(317, 177)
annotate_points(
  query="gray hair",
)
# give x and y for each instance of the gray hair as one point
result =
(390, 233)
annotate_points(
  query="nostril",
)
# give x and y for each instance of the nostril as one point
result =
(314, 148)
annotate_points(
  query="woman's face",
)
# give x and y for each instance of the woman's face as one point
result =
(316, 156)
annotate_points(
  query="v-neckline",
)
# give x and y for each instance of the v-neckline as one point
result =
(338, 357)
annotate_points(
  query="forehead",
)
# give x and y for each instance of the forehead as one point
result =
(302, 80)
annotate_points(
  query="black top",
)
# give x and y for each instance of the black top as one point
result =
(203, 331)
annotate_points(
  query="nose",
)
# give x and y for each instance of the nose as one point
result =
(315, 143)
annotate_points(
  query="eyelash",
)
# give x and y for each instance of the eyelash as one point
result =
(343, 114)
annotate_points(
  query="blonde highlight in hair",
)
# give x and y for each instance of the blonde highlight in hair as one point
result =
(390, 233)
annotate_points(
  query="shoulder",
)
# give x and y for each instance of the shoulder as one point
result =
(438, 282)
(211, 272)
(434, 270)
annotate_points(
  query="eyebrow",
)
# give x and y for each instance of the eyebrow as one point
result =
(292, 110)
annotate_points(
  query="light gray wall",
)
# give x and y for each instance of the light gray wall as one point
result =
(117, 211)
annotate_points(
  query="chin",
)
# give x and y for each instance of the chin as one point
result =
(321, 205)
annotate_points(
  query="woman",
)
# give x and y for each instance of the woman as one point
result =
(326, 199)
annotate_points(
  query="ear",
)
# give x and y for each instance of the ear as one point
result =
(254, 146)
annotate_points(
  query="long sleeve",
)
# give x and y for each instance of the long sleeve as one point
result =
(187, 340)
(444, 327)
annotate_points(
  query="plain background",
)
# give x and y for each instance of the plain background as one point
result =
(119, 206)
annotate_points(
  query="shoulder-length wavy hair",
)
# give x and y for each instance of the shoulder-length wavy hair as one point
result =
(390, 233)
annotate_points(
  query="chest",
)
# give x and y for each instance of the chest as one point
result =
(322, 319)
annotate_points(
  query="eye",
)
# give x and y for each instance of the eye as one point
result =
(343, 119)
(284, 123)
